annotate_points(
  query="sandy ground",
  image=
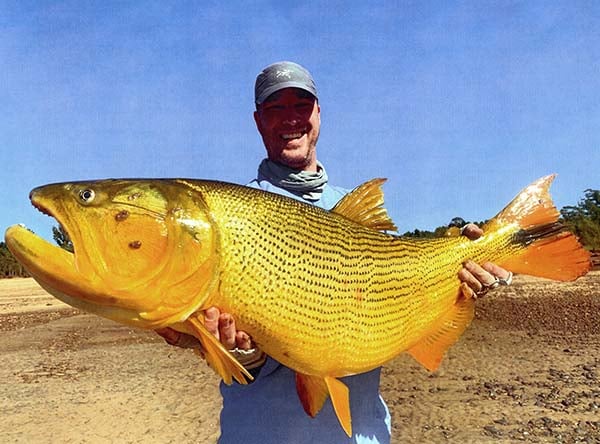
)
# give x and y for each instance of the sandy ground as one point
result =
(527, 370)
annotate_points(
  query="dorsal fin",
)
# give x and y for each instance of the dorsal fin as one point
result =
(364, 205)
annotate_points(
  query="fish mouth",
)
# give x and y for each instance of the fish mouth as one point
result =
(66, 241)
(45, 261)
(54, 268)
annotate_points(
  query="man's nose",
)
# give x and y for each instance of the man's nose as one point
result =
(291, 121)
(291, 116)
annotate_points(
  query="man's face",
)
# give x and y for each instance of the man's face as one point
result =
(289, 122)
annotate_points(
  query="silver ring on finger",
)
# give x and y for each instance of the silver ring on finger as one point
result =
(507, 280)
(487, 287)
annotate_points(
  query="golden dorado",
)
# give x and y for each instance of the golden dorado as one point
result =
(326, 293)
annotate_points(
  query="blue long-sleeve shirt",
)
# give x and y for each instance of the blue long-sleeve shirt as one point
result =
(268, 411)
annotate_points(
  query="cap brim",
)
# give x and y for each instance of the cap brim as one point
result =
(279, 86)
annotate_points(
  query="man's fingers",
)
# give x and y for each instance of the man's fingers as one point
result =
(173, 337)
(227, 331)
(496, 270)
(467, 292)
(211, 320)
(222, 326)
(472, 231)
(243, 341)
(169, 335)
(484, 277)
(466, 277)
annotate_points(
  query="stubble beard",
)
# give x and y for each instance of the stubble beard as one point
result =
(291, 160)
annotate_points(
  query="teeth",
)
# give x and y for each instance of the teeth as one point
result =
(291, 136)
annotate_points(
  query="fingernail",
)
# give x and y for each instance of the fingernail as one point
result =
(211, 314)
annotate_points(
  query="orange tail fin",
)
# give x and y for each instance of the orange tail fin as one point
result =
(551, 251)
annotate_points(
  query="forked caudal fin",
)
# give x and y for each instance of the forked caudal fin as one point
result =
(545, 249)
(551, 252)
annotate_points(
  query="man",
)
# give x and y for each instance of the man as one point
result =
(287, 117)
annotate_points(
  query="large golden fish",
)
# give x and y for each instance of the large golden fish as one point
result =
(326, 293)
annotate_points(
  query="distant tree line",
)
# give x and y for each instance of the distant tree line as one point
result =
(9, 266)
(453, 228)
(582, 219)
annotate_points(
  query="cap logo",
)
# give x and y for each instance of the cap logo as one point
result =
(284, 73)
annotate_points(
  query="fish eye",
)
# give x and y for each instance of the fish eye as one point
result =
(86, 196)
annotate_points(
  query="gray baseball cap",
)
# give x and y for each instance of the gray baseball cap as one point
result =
(282, 75)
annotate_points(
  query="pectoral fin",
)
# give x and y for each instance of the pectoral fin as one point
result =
(217, 356)
(313, 392)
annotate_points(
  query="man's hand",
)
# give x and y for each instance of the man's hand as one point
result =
(221, 325)
(481, 278)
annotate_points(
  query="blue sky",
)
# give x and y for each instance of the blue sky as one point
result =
(458, 104)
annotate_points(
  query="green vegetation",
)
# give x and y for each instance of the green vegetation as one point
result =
(62, 238)
(584, 219)
(9, 267)
(452, 229)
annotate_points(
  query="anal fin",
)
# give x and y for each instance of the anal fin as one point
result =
(312, 392)
(217, 356)
(430, 350)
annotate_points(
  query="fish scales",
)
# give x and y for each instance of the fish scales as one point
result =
(323, 286)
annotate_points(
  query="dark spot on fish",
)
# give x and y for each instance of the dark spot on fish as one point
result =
(135, 244)
(121, 215)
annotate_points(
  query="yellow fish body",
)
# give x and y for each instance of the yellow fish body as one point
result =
(326, 293)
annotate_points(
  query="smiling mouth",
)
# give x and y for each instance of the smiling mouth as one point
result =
(294, 135)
